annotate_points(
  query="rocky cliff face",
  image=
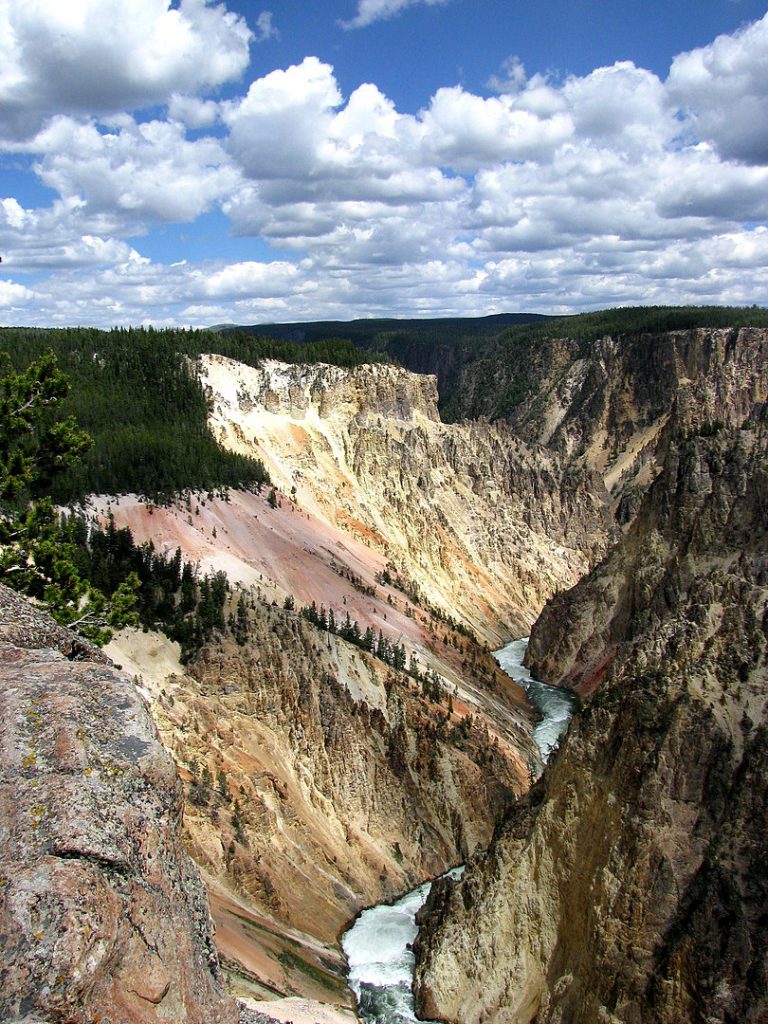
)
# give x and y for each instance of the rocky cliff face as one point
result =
(354, 778)
(488, 525)
(607, 405)
(103, 916)
(346, 774)
(631, 886)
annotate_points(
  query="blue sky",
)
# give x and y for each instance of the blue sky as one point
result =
(194, 162)
(465, 42)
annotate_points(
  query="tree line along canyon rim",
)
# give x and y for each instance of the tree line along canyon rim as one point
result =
(263, 608)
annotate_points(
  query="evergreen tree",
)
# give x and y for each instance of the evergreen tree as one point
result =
(322, 619)
(188, 589)
(382, 648)
(241, 621)
(37, 555)
(398, 657)
(33, 448)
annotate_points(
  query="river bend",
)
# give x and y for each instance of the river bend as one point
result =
(378, 945)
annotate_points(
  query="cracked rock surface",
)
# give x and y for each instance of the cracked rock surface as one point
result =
(103, 916)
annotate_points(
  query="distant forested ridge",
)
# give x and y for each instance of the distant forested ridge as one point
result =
(135, 392)
(486, 366)
(442, 347)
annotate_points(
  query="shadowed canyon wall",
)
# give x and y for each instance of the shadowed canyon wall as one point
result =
(631, 884)
(606, 405)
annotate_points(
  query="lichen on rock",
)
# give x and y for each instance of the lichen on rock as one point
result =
(103, 916)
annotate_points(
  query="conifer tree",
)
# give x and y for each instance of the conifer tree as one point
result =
(37, 557)
(188, 589)
(241, 622)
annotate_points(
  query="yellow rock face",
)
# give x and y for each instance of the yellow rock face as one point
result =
(488, 526)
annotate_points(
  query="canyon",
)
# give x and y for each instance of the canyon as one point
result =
(488, 524)
(622, 510)
(630, 884)
(356, 779)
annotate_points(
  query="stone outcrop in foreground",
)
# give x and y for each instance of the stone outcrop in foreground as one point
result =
(103, 916)
(631, 886)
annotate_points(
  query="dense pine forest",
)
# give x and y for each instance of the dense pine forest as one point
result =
(135, 393)
(94, 580)
(170, 594)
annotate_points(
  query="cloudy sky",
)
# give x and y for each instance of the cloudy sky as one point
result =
(191, 162)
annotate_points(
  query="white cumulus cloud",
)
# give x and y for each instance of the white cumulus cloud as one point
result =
(57, 239)
(249, 279)
(192, 112)
(13, 295)
(97, 56)
(265, 29)
(723, 88)
(137, 172)
(466, 131)
(613, 187)
(275, 131)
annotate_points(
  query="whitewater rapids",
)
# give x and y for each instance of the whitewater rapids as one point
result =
(555, 706)
(378, 945)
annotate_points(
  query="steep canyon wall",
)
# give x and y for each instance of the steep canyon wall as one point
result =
(488, 525)
(631, 885)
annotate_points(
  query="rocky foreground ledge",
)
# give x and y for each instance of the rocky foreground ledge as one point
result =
(103, 916)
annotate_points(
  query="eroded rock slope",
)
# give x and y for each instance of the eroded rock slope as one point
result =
(488, 525)
(631, 885)
(352, 783)
(607, 404)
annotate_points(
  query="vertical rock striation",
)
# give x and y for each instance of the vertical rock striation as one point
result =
(348, 775)
(607, 404)
(488, 524)
(631, 887)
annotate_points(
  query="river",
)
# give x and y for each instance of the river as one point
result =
(378, 945)
(378, 951)
(555, 706)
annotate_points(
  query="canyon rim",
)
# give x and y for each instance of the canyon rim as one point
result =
(345, 733)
